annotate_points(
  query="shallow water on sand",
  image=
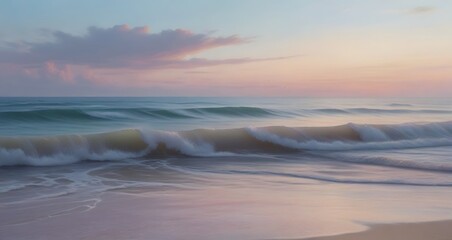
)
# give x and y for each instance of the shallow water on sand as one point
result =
(227, 198)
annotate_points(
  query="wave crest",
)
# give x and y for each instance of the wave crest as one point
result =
(134, 143)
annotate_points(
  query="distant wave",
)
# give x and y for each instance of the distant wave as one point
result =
(93, 114)
(233, 111)
(378, 111)
(75, 114)
(48, 115)
(134, 143)
(400, 105)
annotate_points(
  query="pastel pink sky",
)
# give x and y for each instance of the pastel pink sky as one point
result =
(398, 50)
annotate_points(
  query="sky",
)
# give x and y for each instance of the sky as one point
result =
(290, 48)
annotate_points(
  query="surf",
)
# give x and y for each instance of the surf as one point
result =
(147, 143)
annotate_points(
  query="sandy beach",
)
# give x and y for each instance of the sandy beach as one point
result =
(438, 230)
(197, 198)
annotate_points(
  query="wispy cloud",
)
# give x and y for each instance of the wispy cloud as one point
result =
(118, 47)
(420, 10)
(413, 11)
(105, 52)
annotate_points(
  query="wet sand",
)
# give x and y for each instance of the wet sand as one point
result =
(438, 230)
(225, 198)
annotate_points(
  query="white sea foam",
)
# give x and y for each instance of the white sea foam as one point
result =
(173, 141)
(132, 143)
(12, 157)
(370, 137)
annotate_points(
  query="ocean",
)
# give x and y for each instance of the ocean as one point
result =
(220, 168)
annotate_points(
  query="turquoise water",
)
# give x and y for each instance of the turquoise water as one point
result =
(82, 154)
(50, 116)
(54, 131)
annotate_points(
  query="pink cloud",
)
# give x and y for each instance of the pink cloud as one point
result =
(107, 59)
(118, 47)
(94, 56)
(63, 72)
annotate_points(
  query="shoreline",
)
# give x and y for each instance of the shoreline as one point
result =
(435, 230)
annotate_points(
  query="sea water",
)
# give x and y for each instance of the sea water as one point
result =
(220, 168)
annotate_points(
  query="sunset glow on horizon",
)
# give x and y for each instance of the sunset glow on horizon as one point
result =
(203, 48)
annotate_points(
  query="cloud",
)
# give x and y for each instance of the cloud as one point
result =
(113, 58)
(420, 10)
(413, 11)
(117, 47)
(197, 62)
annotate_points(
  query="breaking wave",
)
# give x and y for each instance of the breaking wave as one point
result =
(137, 143)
